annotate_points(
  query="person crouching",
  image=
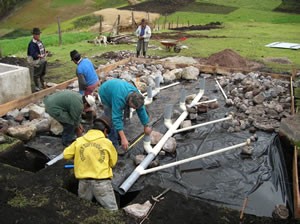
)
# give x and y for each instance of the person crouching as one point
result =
(94, 157)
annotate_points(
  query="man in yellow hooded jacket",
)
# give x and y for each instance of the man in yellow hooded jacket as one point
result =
(94, 157)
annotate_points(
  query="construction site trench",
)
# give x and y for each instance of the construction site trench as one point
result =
(242, 185)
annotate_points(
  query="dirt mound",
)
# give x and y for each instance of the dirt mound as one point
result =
(163, 7)
(14, 61)
(110, 16)
(212, 25)
(227, 58)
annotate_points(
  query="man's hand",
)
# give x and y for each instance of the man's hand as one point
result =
(147, 130)
(124, 141)
(79, 130)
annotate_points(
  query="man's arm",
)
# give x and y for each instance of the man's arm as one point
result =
(69, 152)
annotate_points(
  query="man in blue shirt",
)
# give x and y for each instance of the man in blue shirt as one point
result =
(116, 95)
(87, 77)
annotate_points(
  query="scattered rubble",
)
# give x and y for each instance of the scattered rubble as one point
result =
(259, 102)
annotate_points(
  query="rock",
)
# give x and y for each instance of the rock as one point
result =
(179, 60)
(186, 123)
(55, 127)
(19, 118)
(229, 102)
(35, 111)
(3, 126)
(213, 105)
(190, 73)
(21, 132)
(138, 210)
(138, 159)
(170, 145)
(202, 108)
(155, 137)
(42, 125)
(13, 113)
(193, 116)
(2, 139)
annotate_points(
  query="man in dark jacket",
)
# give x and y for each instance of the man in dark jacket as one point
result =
(36, 55)
(66, 107)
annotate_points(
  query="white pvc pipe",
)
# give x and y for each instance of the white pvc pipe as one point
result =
(143, 172)
(221, 89)
(203, 124)
(55, 159)
(161, 88)
(203, 102)
(154, 151)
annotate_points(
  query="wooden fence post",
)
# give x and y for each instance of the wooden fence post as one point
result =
(59, 32)
(118, 24)
(100, 25)
(165, 22)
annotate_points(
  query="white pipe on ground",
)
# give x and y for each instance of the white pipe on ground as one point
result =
(156, 90)
(55, 159)
(203, 124)
(203, 102)
(154, 169)
(221, 89)
(154, 151)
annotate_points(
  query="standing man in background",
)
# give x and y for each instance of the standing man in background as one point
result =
(36, 57)
(86, 72)
(143, 33)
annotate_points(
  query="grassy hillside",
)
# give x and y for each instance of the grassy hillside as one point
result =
(42, 13)
(248, 25)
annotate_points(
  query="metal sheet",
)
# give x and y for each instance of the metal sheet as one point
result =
(293, 46)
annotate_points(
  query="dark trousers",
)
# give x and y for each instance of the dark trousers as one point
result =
(68, 134)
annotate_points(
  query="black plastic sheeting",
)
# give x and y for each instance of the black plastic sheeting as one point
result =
(225, 179)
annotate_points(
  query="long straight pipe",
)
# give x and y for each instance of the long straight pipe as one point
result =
(203, 124)
(224, 94)
(143, 172)
(153, 153)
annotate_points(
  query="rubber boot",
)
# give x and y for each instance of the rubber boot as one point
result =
(137, 54)
(42, 82)
(36, 83)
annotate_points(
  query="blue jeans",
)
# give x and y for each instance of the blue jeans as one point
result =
(68, 134)
(113, 135)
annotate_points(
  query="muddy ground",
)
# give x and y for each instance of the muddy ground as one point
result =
(48, 195)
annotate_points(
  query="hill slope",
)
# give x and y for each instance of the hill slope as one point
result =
(42, 13)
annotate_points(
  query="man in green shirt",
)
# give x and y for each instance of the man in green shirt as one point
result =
(66, 107)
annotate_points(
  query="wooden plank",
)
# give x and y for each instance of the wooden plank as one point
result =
(296, 185)
(110, 67)
(21, 102)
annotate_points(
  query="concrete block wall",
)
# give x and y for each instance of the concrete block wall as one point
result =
(15, 82)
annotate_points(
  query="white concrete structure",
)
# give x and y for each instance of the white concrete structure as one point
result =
(15, 82)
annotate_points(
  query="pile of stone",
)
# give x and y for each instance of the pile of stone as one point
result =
(24, 124)
(259, 102)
